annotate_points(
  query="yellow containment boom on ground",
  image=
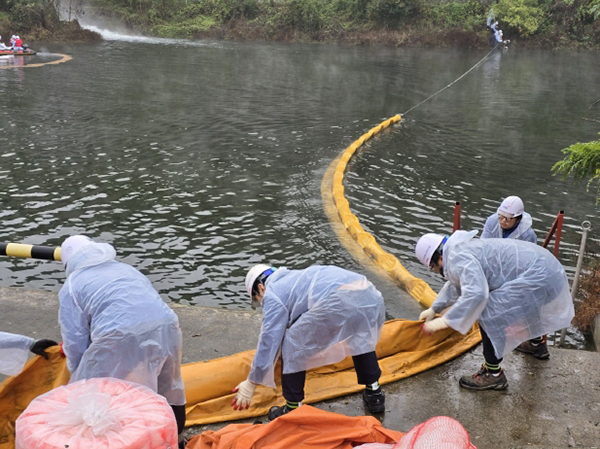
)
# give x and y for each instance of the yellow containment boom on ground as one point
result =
(403, 351)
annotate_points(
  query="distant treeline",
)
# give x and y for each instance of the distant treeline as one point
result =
(40, 20)
(540, 23)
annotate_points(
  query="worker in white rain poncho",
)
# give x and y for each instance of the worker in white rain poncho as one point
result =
(14, 351)
(313, 317)
(115, 324)
(517, 291)
(512, 222)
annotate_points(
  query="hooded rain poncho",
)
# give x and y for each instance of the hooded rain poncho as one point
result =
(516, 289)
(523, 231)
(115, 324)
(14, 352)
(315, 317)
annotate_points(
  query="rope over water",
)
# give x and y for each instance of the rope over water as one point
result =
(453, 82)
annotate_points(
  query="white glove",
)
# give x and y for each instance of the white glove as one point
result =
(435, 325)
(245, 391)
(427, 315)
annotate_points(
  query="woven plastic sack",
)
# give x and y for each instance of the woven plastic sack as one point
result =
(435, 433)
(102, 413)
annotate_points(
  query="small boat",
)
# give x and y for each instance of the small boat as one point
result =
(26, 51)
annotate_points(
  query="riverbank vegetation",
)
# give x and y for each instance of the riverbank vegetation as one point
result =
(461, 23)
(39, 20)
(540, 23)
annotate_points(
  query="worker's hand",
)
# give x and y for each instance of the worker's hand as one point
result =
(39, 347)
(427, 315)
(435, 325)
(244, 391)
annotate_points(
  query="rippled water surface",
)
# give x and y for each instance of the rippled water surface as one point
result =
(198, 159)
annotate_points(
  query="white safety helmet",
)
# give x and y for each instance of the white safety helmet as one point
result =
(426, 246)
(71, 245)
(512, 206)
(253, 275)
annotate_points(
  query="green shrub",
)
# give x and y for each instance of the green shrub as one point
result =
(582, 160)
(523, 16)
(304, 15)
(388, 11)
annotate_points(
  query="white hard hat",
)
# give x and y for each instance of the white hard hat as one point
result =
(512, 206)
(426, 246)
(253, 275)
(71, 245)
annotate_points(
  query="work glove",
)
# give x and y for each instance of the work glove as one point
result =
(435, 325)
(244, 391)
(427, 315)
(39, 347)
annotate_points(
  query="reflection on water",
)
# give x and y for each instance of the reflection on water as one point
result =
(197, 161)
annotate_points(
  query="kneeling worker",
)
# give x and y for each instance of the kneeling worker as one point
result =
(517, 290)
(315, 317)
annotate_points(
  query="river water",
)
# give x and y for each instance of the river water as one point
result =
(198, 159)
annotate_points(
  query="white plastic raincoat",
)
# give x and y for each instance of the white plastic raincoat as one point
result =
(14, 352)
(315, 316)
(516, 289)
(523, 231)
(115, 324)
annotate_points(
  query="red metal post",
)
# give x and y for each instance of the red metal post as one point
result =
(559, 223)
(550, 233)
(456, 225)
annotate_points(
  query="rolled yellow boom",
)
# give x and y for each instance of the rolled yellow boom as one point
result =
(30, 251)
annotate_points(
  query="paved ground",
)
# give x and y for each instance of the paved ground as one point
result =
(549, 404)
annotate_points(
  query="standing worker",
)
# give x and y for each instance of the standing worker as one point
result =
(517, 291)
(115, 324)
(14, 350)
(315, 317)
(511, 221)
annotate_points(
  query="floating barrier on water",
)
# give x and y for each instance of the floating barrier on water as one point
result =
(101, 413)
(417, 288)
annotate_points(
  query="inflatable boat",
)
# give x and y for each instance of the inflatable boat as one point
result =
(24, 52)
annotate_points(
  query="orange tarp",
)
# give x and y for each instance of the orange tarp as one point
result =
(403, 350)
(306, 427)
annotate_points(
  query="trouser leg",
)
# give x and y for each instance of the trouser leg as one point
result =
(292, 385)
(179, 412)
(488, 349)
(367, 368)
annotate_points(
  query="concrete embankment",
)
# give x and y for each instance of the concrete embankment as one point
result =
(549, 404)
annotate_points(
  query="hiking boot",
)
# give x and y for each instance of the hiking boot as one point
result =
(484, 380)
(538, 351)
(374, 400)
(277, 411)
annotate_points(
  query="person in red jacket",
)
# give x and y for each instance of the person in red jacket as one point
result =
(18, 43)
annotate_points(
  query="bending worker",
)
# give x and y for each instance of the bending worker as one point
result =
(14, 350)
(115, 324)
(315, 317)
(517, 291)
(512, 222)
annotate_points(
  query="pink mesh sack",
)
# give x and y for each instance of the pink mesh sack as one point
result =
(102, 413)
(435, 433)
(374, 446)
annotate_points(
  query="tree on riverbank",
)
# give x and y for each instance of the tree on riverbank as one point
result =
(39, 20)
